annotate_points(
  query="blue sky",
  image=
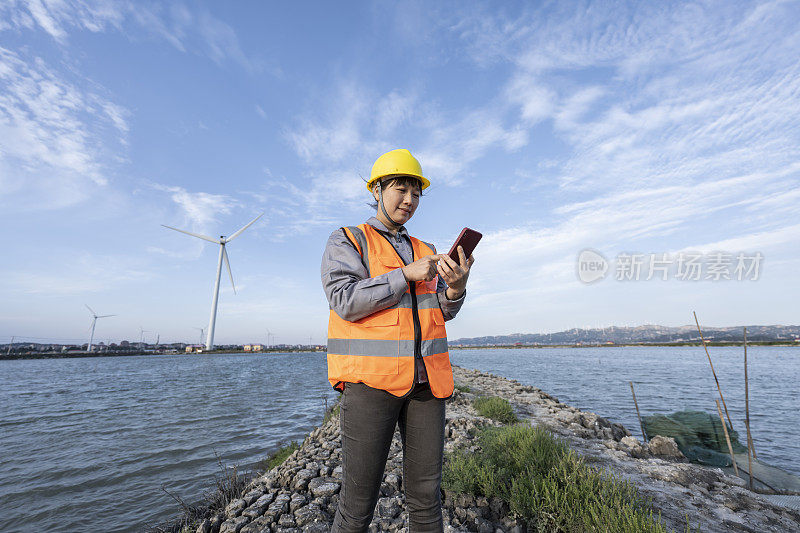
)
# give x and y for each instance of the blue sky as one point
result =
(622, 127)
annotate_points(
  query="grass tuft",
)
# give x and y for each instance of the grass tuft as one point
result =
(546, 484)
(331, 413)
(495, 408)
(230, 484)
(279, 456)
(462, 388)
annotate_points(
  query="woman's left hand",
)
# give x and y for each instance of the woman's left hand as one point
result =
(455, 274)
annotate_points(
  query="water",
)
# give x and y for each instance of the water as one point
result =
(666, 379)
(88, 442)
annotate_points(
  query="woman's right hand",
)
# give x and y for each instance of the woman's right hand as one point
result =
(422, 269)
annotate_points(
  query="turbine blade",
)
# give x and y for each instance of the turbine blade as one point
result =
(204, 237)
(90, 309)
(228, 264)
(229, 239)
(105, 316)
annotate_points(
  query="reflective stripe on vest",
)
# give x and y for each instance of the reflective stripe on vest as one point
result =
(379, 349)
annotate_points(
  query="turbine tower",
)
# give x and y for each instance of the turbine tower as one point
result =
(223, 254)
(95, 316)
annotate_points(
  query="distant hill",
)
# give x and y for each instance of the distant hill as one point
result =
(646, 333)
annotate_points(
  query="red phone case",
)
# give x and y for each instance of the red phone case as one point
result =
(467, 239)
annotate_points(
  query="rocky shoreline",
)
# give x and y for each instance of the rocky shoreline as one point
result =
(301, 494)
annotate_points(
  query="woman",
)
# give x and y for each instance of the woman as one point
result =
(390, 295)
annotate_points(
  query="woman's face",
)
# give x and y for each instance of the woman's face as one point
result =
(400, 201)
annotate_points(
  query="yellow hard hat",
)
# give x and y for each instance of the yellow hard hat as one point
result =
(398, 162)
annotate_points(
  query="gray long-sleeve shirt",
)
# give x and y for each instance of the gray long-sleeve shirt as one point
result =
(352, 294)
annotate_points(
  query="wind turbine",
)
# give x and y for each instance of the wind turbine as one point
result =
(223, 254)
(202, 332)
(95, 316)
(142, 331)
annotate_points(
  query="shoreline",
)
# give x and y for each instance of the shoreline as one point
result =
(46, 355)
(301, 493)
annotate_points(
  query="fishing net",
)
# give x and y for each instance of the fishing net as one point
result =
(699, 436)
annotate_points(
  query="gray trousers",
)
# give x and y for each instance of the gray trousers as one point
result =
(368, 417)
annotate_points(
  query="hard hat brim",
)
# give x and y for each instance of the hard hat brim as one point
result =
(421, 178)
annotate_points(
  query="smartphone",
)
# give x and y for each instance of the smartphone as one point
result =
(467, 239)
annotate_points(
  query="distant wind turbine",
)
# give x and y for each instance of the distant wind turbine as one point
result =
(202, 332)
(142, 331)
(223, 254)
(95, 316)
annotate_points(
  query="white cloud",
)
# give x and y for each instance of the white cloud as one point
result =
(195, 30)
(56, 139)
(200, 209)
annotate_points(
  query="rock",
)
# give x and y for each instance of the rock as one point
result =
(317, 527)
(473, 513)
(252, 496)
(259, 525)
(484, 526)
(310, 514)
(259, 506)
(297, 501)
(388, 507)
(204, 527)
(618, 431)
(302, 478)
(387, 490)
(235, 507)
(567, 417)
(496, 506)
(393, 480)
(252, 512)
(580, 431)
(280, 505)
(665, 447)
(216, 522)
(264, 500)
(233, 525)
(588, 420)
(632, 447)
(323, 486)
(465, 500)
(286, 520)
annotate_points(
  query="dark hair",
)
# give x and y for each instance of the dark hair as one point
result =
(398, 181)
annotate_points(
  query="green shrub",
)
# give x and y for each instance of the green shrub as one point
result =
(546, 484)
(495, 408)
(462, 388)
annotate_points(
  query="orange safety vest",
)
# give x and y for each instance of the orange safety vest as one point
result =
(378, 350)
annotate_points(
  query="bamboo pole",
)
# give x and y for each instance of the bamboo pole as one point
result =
(747, 413)
(727, 438)
(750, 445)
(702, 339)
(641, 426)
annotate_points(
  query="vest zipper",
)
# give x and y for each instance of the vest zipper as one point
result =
(414, 310)
(417, 326)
